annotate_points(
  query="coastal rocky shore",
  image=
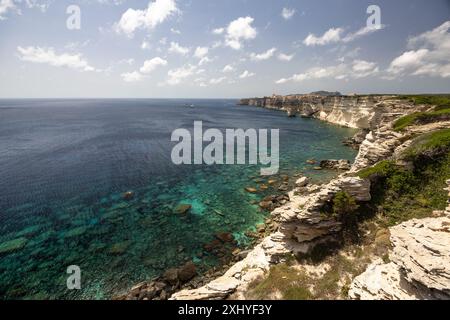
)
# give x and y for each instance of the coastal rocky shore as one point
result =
(419, 265)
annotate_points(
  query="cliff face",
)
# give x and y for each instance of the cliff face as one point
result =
(362, 112)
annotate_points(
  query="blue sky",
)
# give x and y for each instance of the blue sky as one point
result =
(222, 49)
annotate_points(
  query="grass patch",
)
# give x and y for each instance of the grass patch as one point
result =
(441, 114)
(283, 279)
(442, 100)
(435, 142)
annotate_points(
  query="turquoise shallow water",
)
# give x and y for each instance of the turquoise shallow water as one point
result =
(65, 165)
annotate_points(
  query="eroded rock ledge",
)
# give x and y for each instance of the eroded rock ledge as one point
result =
(419, 267)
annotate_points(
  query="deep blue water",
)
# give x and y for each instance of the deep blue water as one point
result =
(65, 164)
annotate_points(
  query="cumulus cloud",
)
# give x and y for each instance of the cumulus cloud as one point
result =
(246, 74)
(155, 13)
(5, 7)
(358, 69)
(285, 57)
(238, 31)
(152, 64)
(330, 36)
(176, 48)
(287, 13)
(50, 57)
(201, 52)
(176, 76)
(228, 68)
(362, 69)
(263, 56)
(429, 55)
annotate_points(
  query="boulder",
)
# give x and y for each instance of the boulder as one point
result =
(171, 276)
(336, 164)
(187, 272)
(302, 182)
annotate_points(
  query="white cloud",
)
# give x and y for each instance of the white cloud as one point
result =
(201, 52)
(217, 80)
(145, 45)
(156, 13)
(175, 31)
(358, 69)
(429, 55)
(204, 60)
(361, 33)
(5, 6)
(218, 31)
(132, 76)
(176, 48)
(176, 76)
(285, 57)
(42, 5)
(152, 64)
(362, 69)
(330, 36)
(48, 56)
(287, 13)
(239, 30)
(409, 59)
(263, 56)
(335, 35)
(228, 68)
(246, 74)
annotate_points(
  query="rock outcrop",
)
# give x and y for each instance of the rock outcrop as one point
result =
(301, 227)
(335, 164)
(419, 267)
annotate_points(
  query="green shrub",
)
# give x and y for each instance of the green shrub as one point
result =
(383, 168)
(344, 208)
(427, 143)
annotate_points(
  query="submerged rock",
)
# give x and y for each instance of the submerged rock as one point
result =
(119, 248)
(182, 208)
(129, 195)
(13, 245)
(251, 190)
(225, 237)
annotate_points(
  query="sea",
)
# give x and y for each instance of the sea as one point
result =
(66, 166)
